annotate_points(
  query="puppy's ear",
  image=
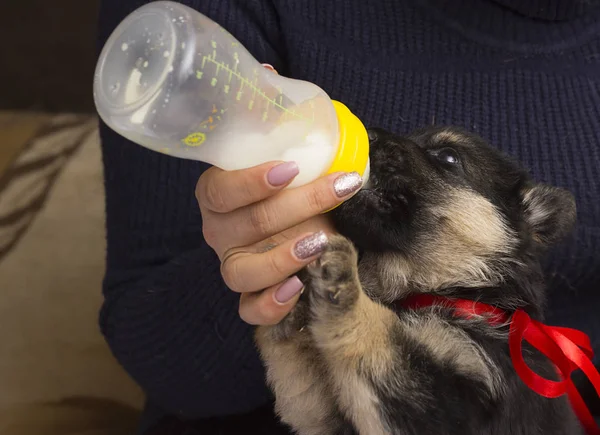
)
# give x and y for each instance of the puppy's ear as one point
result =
(550, 211)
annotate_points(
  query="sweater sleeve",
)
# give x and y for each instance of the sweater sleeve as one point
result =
(167, 316)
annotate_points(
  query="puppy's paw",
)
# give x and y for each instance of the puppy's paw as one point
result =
(293, 324)
(333, 278)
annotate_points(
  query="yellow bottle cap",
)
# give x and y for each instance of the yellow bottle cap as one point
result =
(353, 149)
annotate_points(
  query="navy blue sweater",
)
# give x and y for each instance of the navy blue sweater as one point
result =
(523, 74)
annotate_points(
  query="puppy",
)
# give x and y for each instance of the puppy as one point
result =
(444, 214)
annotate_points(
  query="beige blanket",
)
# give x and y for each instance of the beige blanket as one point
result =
(57, 375)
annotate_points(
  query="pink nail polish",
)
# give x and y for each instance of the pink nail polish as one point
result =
(288, 290)
(282, 174)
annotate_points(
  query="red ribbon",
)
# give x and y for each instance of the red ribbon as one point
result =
(567, 348)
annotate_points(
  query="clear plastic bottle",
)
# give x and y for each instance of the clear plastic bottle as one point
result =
(174, 81)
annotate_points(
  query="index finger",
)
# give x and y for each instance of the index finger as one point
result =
(224, 191)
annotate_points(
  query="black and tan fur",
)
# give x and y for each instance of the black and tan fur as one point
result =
(447, 214)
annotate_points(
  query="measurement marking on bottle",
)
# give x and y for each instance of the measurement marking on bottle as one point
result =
(254, 86)
(236, 57)
(214, 46)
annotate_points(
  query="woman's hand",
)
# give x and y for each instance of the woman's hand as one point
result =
(264, 234)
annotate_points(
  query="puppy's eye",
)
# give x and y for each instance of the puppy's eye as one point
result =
(448, 156)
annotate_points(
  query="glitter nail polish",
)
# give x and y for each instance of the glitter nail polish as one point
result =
(311, 245)
(346, 184)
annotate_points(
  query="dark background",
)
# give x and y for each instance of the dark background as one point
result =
(47, 54)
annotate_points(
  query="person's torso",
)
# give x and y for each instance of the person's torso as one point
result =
(530, 87)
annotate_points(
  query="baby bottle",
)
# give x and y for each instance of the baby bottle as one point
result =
(174, 81)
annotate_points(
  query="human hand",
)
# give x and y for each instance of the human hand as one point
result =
(263, 234)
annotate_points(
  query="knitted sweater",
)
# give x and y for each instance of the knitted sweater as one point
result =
(523, 74)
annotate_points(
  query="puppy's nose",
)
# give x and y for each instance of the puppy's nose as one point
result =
(375, 134)
(372, 134)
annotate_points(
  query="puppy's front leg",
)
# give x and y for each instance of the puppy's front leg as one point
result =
(354, 335)
(297, 377)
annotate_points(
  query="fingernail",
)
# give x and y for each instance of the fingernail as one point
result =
(288, 290)
(346, 184)
(282, 173)
(269, 67)
(311, 245)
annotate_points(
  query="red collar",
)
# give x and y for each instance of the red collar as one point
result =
(568, 349)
